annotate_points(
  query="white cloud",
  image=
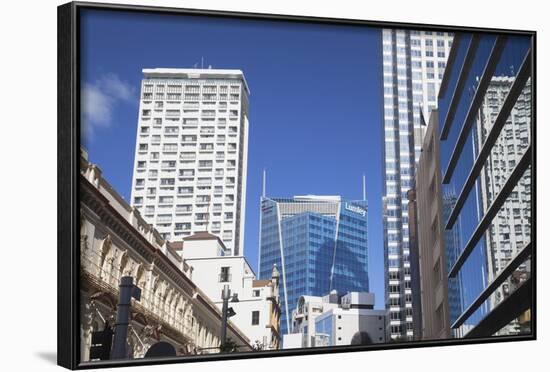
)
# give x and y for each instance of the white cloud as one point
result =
(116, 87)
(98, 102)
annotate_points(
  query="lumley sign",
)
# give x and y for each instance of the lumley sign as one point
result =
(356, 209)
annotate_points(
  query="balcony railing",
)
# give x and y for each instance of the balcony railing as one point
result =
(190, 105)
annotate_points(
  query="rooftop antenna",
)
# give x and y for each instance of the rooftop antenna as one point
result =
(263, 185)
(202, 62)
(364, 187)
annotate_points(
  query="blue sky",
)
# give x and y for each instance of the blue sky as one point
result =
(315, 104)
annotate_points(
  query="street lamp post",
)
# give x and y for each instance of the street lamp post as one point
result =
(127, 290)
(227, 312)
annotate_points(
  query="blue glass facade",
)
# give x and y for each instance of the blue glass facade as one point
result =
(452, 244)
(485, 125)
(318, 244)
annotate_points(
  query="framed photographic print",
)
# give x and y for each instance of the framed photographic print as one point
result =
(238, 185)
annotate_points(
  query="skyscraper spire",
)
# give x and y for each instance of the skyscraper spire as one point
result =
(364, 187)
(263, 185)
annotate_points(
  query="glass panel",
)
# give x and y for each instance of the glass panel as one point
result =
(508, 233)
(504, 76)
(445, 100)
(510, 230)
(466, 95)
(512, 142)
(519, 325)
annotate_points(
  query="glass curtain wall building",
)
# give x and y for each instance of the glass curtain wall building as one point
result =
(413, 66)
(485, 109)
(318, 242)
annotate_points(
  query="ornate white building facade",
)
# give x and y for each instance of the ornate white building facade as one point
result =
(115, 241)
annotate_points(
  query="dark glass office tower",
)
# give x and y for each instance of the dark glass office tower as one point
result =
(318, 242)
(485, 109)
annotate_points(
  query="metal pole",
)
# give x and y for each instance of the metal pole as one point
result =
(127, 290)
(225, 298)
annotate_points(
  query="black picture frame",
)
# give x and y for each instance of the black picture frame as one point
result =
(68, 149)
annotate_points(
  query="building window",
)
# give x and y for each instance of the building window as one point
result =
(167, 181)
(224, 274)
(255, 317)
(437, 272)
(183, 226)
(166, 199)
(164, 218)
(170, 147)
(256, 293)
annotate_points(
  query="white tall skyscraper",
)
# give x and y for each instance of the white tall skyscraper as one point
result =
(413, 66)
(191, 153)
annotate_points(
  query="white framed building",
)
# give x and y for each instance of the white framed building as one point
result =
(191, 153)
(258, 308)
(413, 65)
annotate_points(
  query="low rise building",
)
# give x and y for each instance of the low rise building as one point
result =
(303, 319)
(115, 241)
(257, 311)
(334, 320)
